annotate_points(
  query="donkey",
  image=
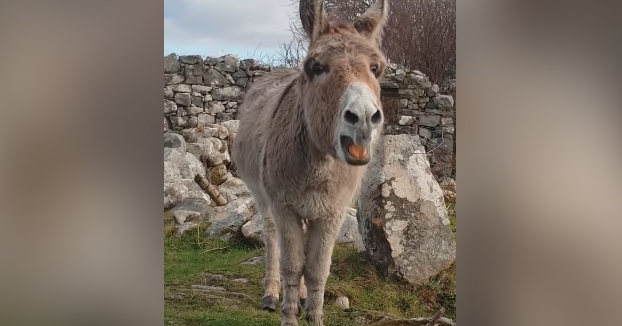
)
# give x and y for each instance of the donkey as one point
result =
(303, 144)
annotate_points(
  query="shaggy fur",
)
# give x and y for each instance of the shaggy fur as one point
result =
(291, 151)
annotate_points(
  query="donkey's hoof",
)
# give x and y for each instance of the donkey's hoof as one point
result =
(269, 303)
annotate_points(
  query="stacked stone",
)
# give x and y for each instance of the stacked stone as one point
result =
(199, 92)
(423, 111)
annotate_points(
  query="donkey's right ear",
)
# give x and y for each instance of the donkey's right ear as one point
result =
(313, 17)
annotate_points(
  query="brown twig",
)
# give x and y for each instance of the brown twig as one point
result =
(436, 317)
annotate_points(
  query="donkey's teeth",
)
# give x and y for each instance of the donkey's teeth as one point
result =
(358, 152)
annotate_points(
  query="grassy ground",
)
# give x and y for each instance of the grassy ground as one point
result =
(191, 261)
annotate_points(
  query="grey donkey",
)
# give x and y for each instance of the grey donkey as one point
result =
(303, 144)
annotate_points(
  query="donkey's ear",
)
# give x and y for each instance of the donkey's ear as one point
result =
(371, 23)
(313, 17)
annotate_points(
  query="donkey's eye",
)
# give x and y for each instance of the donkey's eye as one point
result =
(375, 70)
(318, 69)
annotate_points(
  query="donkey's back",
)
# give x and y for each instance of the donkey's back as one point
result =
(255, 123)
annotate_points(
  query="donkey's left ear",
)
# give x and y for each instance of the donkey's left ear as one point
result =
(371, 23)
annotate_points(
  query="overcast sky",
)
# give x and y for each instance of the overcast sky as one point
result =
(218, 27)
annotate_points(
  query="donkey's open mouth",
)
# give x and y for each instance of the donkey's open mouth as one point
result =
(354, 154)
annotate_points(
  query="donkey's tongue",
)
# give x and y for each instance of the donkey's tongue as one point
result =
(358, 152)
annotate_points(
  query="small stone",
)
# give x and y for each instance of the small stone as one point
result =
(173, 140)
(224, 116)
(214, 78)
(194, 110)
(194, 80)
(403, 103)
(190, 209)
(179, 123)
(446, 121)
(204, 120)
(181, 88)
(217, 174)
(183, 99)
(211, 61)
(167, 125)
(190, 59)
(425, 133)
(172, 79)
(214, 107)
(429, 120)
(343, 303)
(194, 70)
(255, 261)
(241, 82)
(433, 90)
(169, 94)
(198, 101)
(240, 280)
(445, 102)
(171, 64)
(229, 64)
(406, 120)
(170, 107)
(231, 125)
(207, 98)
(201, 89)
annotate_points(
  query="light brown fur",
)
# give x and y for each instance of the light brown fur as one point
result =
(287, 151)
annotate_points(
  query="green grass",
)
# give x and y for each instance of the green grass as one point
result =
(190, 260)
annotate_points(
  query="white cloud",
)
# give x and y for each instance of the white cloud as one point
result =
(230, 26)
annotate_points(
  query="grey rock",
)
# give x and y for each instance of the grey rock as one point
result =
(232, 93)
(197, 80)
(190, 209)
(172, 79)
(425, 133)
(234, 189)
(214, 107)
(433, 90)
(190, 59)
(192, 122)
(402, 215)
(214, 78)
(227, 220)
(200, 150)
(179, 171)
(222, 131)
(183, 99)
(239, 74)
(201, 89)
(171, 64)
(447, 121)
(429, 120)
(212, 61)
(247, 64)
(193, 110)
(385, 83)
(411, 93)
(217, 158)
(173, 140)
(179, 123)
(169, 94)
(181, 88)
(231, 125)
(343, 303)
(240, 280)
(167, 125)
(229, 64)
(423, 100)
(241, 82)
(198, 101)
(349, 232)
(406, 120)
(224, 116)
(194, 70)
(445, 102)
(411, 113)
(253, 229)
(205, 120)
(403, 103)
(170, 107)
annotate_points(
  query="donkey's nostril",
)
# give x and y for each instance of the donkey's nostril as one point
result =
(376, 117)
(350, 117)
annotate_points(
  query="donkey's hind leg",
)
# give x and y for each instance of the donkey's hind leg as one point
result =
(272, 280)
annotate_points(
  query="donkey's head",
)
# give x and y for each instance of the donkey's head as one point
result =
(340, 88)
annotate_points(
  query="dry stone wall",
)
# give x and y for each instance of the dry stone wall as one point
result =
(200, 92)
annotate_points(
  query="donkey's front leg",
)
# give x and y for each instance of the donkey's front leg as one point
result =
(290, 241)
(320, 242)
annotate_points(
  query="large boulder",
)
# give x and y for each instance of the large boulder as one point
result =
(402, 216)
(179, 171)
